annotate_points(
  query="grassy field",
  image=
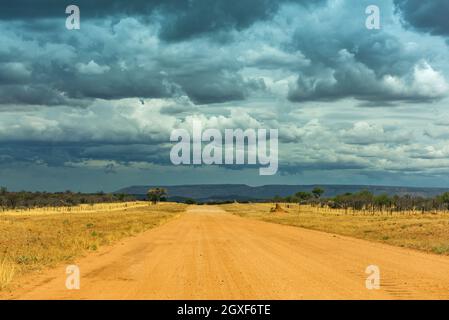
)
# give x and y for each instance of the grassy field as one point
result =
(82, 208)
(39, 238)
(427, 232)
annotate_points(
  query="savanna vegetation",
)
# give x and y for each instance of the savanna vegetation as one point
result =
(33, 241)
(26, 200)
(367, 202)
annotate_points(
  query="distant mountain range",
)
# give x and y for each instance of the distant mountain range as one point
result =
(242, 192)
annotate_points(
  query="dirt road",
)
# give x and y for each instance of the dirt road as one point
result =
(209, 254)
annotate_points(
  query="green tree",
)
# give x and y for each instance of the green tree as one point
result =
(444, 199)
(303, 196)
(190, 201)
(156, 194)
(382, 201)
(317, 192)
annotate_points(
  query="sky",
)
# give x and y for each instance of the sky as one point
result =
(93, 109)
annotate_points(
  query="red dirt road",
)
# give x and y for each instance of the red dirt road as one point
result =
(210, 254)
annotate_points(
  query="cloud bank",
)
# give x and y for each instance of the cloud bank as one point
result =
(352, 105)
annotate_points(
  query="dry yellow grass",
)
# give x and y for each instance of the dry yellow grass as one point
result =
(427, 232)
(83, 208)
(7, 271)
(34, 240)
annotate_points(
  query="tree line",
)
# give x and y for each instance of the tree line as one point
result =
(26, 200)
(367, 201)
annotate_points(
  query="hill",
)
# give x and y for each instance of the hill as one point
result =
(242, 192)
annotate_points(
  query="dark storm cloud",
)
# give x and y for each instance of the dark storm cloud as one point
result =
(45, 66)
(32, 152)
(32, 9)
(334, 65)
(181, 19)
(427, 16)
(63, 154)
(115, 84)
(189, 18)
(214, 85)
(35, 94)
(13, 73)
(218, 87)
(372, 66)
(71, 78)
